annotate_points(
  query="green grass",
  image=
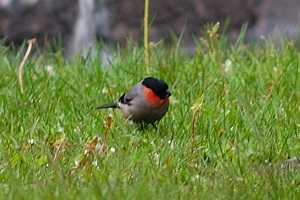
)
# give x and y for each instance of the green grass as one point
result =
(247, 122)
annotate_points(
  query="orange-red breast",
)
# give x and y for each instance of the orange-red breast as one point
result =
(146, 102)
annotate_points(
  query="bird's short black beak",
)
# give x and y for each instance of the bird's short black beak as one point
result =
(168, 93)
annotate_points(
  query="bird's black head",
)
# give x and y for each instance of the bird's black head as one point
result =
(159, 87)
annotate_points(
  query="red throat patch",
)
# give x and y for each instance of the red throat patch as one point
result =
(153, 98)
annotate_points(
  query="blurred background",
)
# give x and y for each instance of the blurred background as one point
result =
(77, 24)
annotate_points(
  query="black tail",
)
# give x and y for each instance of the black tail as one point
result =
(111, 105)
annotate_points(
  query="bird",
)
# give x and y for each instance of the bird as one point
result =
(144, 103)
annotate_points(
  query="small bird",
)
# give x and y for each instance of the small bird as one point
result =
(145, 103)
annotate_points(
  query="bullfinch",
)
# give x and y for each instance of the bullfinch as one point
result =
(145, 103)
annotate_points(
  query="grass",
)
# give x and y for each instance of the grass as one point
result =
(247, 121)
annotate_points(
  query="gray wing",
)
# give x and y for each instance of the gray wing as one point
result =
(133, 93)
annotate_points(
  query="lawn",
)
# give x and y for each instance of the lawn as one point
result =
(233, 121)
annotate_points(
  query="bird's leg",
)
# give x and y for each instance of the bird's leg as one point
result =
(154, 126)
(141, 126)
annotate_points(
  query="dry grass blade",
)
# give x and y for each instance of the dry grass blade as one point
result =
(21, 67)
(197, 107)
(146, 31)
(91, 146)
(58, 146)
(84, 162)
